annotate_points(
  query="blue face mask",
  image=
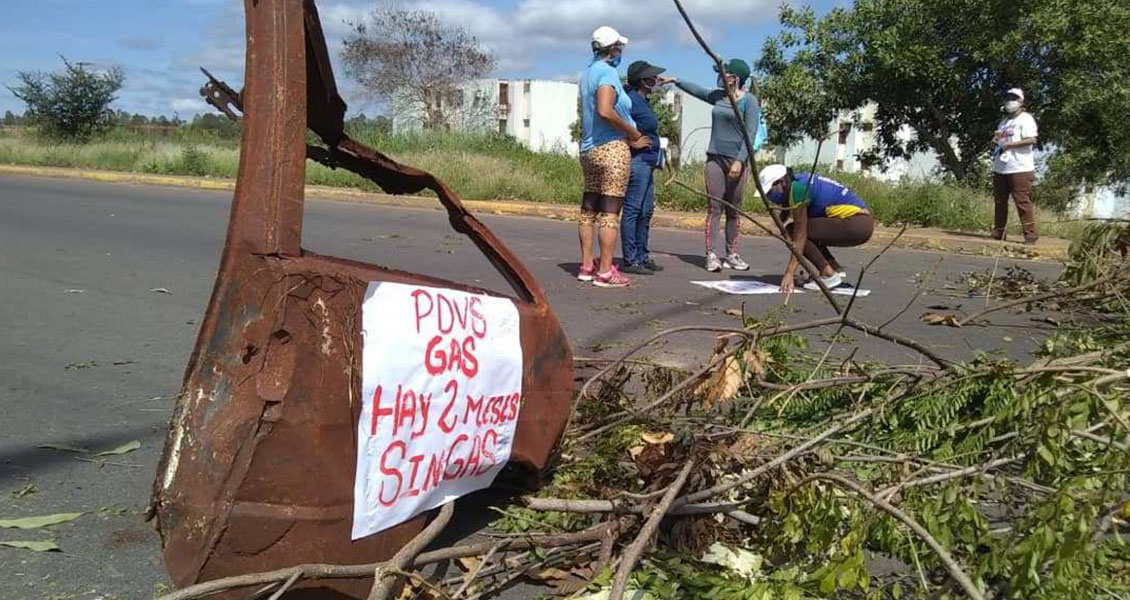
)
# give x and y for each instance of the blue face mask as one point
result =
(775, 196)
(615, 62)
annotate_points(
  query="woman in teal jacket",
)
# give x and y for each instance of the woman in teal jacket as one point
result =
(726, 159)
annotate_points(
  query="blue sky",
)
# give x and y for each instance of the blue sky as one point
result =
(160, 43)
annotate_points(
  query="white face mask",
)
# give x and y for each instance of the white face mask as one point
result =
(1012, 107)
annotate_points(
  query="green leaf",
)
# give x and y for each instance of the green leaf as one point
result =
(63, 448)
(1046, 454)
(37, 522)
(828, 583)
(38, 546)
(123, 449)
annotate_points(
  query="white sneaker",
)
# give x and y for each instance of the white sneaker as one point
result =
(712, 263)
(832, 281)
(735, 262)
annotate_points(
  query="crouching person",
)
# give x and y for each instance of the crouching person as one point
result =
(833, 216)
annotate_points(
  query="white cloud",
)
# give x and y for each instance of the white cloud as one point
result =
(186, 107)
(529, 31)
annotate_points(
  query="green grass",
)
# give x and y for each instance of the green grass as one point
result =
(493, 167)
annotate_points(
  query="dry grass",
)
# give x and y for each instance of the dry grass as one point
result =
(496, 167)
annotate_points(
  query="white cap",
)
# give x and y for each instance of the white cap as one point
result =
(769, 175)
(606, 36)
(1019, 93)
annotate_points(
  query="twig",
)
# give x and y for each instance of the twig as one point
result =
(749, 476)
(628, 416)
(889, 492)
(732, 206)
(327, 571)
(1037, 298)
(632, 555)
(955, 570)
(474, 574)
(584, 393)
(385, 576)
(285, 586)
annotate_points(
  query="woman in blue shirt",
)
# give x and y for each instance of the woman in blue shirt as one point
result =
(608, 135)
(639, 203)
(833, 216)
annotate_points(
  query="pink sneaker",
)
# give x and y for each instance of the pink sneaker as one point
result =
(611, 279)
(585, 273)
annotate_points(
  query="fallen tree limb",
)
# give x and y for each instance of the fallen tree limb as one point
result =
(386, 575)
(327, 571)
(747, 477)
(955, 570)
(1038, 298)
(635, 550)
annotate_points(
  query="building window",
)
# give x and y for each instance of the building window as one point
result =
(502, 125)
(526, 123)
(840, 164)
(526, 88)
(845, 129)
(504, 94)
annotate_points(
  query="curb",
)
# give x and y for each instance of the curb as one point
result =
(920, 239)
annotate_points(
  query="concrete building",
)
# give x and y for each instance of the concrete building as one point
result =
(1102, 203)
(537, 112)
(850, 135)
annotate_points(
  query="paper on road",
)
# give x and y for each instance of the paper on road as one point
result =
(746, 287)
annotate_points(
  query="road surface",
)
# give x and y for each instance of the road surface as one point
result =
(94, 349)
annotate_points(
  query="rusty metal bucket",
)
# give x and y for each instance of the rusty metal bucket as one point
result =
(258, 467)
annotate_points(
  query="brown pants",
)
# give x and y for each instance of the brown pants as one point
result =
(830, 231)
(1019, 186)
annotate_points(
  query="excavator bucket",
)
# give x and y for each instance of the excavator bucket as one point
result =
(330, 404)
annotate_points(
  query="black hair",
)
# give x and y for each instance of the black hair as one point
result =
(599, 50)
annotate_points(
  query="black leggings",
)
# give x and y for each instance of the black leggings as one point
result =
(830, 231)
(599, 203)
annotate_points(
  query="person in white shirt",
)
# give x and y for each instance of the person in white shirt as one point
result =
(1014, 166)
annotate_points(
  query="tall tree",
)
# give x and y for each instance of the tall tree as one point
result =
(412, 60)
(941, 66)
(73, 103)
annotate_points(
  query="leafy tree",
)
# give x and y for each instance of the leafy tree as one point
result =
(414, 62)
(214, 124)
(9, 118)
(74, 103)
(941, 66)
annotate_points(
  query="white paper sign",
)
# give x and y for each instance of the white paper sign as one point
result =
(441, 387)
(746, 287)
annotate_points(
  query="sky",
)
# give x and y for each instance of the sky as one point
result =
(160, 43)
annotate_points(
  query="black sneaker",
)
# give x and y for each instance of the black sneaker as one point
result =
(636, 269)
(654, 266)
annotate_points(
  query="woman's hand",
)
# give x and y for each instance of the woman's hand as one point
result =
(640, 143)
(736, 169)
(787, 283)
(664, 80)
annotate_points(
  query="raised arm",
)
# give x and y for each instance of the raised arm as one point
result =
(695, 90)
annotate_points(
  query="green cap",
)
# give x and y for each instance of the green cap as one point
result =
(737, 66)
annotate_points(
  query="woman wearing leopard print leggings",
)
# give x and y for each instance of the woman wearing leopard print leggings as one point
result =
(608, 133)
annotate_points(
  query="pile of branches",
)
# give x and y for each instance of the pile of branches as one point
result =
(775, 472)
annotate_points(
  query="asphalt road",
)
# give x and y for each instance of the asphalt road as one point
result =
(102, 287)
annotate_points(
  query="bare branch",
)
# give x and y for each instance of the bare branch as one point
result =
(633, 553)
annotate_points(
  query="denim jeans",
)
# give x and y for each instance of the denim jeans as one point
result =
(639, 206)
